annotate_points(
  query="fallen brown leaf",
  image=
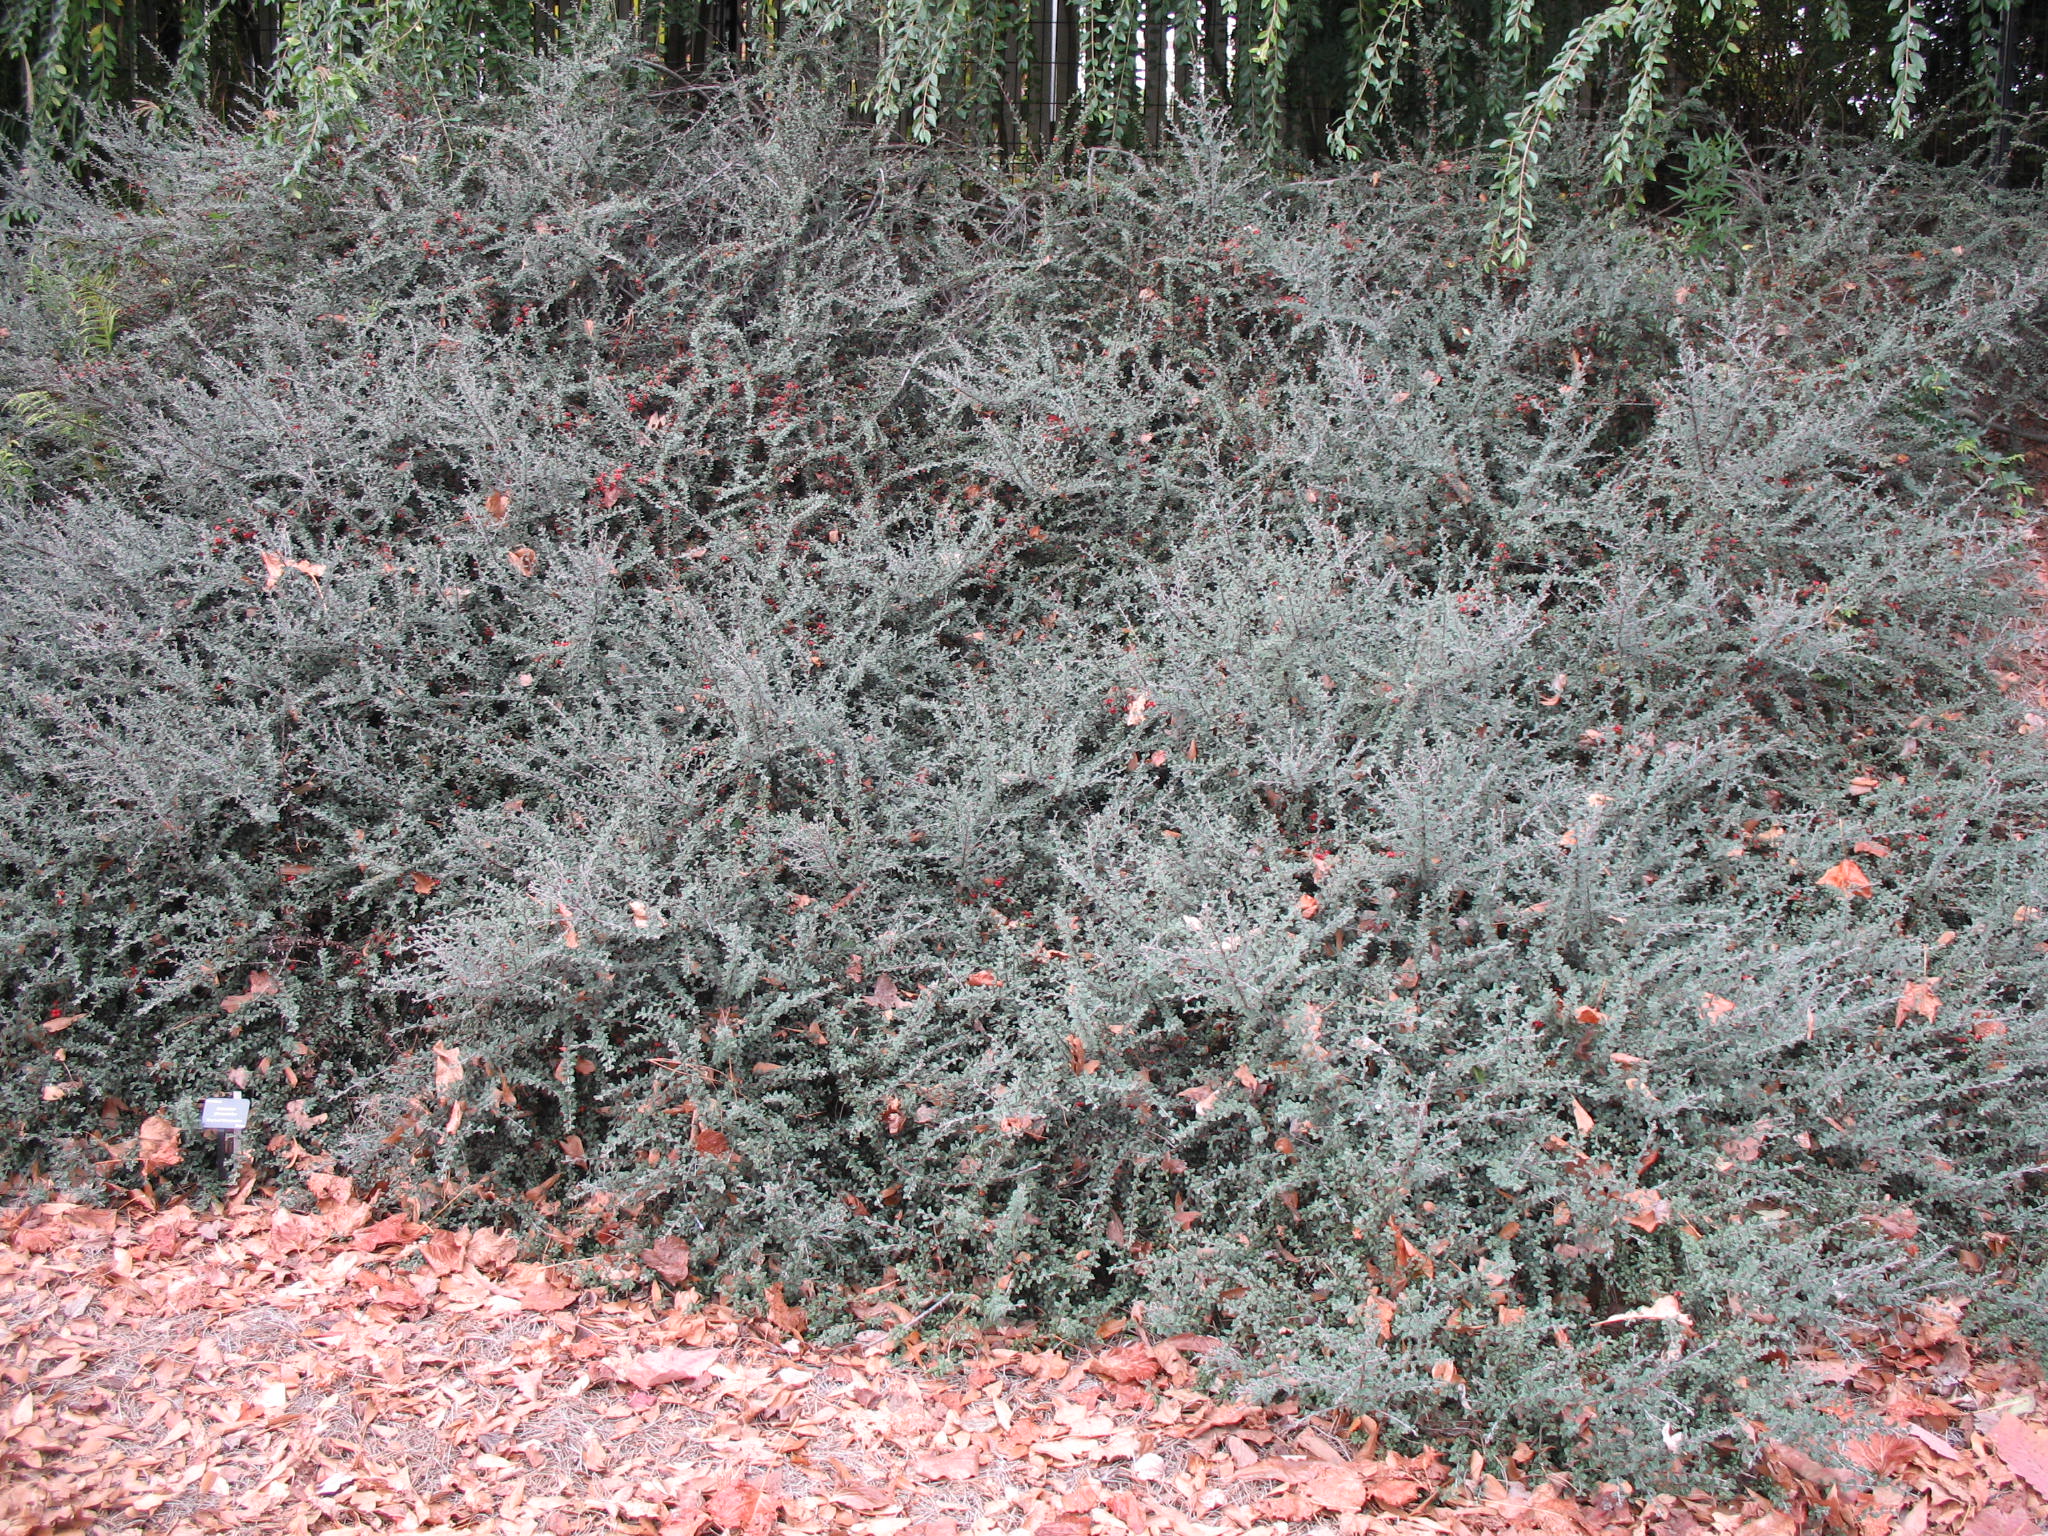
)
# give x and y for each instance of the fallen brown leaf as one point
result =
(732, 1507)
(491, 1250)
(391, 1230)
(659, 1367)
(2023, 1446)
(2002, 1517)
(541, 1296)
(947, 1466)
(1133, 1362)
(1340, 1490)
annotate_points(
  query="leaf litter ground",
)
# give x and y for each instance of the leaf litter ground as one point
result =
(259, 1369)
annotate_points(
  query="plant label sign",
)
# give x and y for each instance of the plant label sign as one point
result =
(224, 1114)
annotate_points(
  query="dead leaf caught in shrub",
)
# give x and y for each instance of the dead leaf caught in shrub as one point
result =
(1665, 1309)
(668, 1257)
(789, 1319)
(1133, 1362)
(1918, 998)
(157, 1144)
(1848, 878)
(447, 1066)
(261, 984)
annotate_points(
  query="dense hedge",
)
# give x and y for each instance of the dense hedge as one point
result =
(1158, 738)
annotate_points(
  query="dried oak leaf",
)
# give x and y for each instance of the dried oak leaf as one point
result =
(1311, 1444)
(523, 560)
(295, 1111)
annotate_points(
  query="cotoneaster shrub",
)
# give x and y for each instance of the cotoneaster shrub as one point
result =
(1154, 738)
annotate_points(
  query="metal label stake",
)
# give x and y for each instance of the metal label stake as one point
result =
(230, 1117)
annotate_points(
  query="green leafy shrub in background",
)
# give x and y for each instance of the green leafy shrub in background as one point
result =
(1160, 739)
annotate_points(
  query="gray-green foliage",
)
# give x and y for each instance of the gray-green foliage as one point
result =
(1332, 749)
